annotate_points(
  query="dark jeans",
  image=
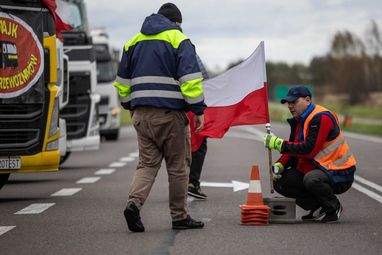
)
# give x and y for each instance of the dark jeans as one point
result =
(310, 190)
(197, 164)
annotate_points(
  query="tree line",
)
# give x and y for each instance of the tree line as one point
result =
(352, 67)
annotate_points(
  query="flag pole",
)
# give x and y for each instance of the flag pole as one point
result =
(268, 127)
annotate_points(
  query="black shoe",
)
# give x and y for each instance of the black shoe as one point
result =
(187, 223)
(313, 215)
(132, 218)
(333, 216)
(196, 192)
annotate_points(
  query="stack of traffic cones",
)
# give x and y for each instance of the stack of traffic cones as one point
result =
(254, 212)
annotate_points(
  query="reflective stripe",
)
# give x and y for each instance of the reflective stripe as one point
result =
(125, 99)
(268, 139)
(189, 77)
(123, 81)
(342, 160)
(330, 148)
(194, 100)
(154, 79)
(254, 186)
(153, 93)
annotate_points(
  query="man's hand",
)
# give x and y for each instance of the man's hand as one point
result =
(273, 142)
(198, 123)
(277, 170)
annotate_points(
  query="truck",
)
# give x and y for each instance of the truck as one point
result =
(29, 95)
(107, 62)
(81, 113)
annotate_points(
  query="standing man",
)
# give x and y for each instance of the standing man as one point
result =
(158, 81)
(198, 155)
(316, 162)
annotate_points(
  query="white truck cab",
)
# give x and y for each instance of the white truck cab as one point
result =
(106, 58)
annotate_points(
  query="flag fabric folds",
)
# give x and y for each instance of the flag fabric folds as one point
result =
(236, 97)
(60, 15)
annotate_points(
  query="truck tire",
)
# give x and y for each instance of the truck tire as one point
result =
(65, 157)
(3, 179)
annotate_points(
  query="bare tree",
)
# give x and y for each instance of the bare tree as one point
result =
(374, 43)
(349, 61)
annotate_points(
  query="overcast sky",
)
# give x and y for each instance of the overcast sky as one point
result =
(227, 30)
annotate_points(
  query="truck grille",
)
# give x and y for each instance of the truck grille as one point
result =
(22, 128)
(18, 138)
(76, 114)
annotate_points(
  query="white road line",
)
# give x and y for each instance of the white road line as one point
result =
(66, 192)
(134, 154)
(127, 159)
(367, 192)
(241, 135)
(35, 208)
(105, 171)
(88, 180)
(117, 164)
(367, 138)
(368, 183)
(4, 229)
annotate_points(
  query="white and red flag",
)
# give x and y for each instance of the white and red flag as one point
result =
(61, 15)
(236, 97)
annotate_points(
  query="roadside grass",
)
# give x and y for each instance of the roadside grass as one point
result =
(355, 110)
(279, 114)
(125, 117)
(364, 129)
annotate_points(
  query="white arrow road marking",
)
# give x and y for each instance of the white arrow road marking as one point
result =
(127, 159)
(117, 164)
(4, 229)
(35, 208)
(236, 185)
(105, 171)
(88, 180)
(66, 192)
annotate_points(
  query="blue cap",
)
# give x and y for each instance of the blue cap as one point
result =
(296, 92)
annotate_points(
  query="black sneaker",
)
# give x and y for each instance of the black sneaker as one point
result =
(196, 192)
(187, 223)
(333, 216)
(132, 218)
(313, 215)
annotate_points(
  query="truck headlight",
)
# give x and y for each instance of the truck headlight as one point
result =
(53, 128)
(52, 146)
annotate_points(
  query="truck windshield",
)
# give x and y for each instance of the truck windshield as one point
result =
(105, 72)
(73, 12)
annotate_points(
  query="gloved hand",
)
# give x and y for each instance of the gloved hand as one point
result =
(277, 170)
(273, 142)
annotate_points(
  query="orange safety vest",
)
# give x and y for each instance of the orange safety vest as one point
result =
(335, 155)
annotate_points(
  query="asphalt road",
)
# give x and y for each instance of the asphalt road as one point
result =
(78, 210)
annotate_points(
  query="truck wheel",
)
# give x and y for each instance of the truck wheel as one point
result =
(3, 179)
(65, 157)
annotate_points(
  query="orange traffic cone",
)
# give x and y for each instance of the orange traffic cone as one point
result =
(254, 212)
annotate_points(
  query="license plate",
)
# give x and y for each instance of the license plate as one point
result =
(10, 163)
